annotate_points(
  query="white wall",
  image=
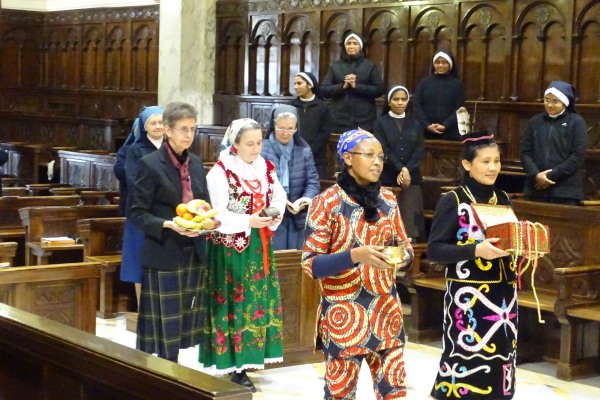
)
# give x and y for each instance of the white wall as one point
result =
(59, 5)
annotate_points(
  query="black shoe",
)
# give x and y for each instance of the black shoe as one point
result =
(242, 379)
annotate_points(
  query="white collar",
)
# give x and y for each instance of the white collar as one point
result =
(156, 142)
(307, 100)
(394, 115)
(557, 115)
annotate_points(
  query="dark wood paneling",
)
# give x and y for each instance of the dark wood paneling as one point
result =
(507, 52)
(42, 359)
(99, 64)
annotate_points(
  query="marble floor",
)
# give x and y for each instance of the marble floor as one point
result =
(534, 381)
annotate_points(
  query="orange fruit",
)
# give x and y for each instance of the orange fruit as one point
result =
(188, 216)
(181, 209)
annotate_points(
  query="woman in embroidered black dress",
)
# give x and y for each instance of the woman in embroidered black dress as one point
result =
(480, 303)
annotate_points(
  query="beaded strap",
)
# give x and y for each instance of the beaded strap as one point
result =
(523, 234)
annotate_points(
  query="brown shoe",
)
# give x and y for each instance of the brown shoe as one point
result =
(242, 379)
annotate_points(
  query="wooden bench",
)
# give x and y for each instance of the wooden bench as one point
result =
(8, 250)
(573, 232)
(14, 191)
(42, 359)
(42, 189)
(102, 239)
(57, 221)
(11, 227)
(29, 159)
(88, 170)
(88, 196)
(300, 299)
(578, 311)
(66, 293)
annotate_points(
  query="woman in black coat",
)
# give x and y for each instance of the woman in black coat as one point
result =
(437, 98)
(554, 147)
(173, 258)
(352, 83)
(313, 118)
(401, 138)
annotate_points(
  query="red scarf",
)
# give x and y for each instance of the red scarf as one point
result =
(184, 173)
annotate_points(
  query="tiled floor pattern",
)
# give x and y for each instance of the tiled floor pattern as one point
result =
(534, 381)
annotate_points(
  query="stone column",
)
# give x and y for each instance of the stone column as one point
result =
(186, 66)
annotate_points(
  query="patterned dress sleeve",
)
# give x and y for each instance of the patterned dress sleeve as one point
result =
(316, 260)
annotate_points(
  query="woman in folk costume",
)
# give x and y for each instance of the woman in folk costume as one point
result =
(480, 302)
(244, 320)
(360, 315)
(173, 258)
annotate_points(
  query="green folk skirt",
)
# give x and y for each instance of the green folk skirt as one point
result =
(243, 320)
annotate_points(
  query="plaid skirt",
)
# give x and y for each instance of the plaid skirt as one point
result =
(170, 316)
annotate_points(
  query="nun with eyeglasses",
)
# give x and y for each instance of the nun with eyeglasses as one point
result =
(437, 97)
(352, 83)
(296, 170)
(553, 149)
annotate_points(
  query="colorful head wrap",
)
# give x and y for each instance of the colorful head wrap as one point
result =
(350, 139)
(232, 131)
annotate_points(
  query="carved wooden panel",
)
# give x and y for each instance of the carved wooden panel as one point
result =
(507, 51)
(88, 170)
(58, 301)
(572, 233)
(291, 288)
(102, 176)
(7, 294)
(96, 63)
(300, 299)
(75, 172)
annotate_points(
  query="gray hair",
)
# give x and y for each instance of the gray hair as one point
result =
(286, 115)
(176, 111)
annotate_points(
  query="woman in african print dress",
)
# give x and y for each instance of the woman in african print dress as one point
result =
(360, 315)
(244, 320)
(480, 303)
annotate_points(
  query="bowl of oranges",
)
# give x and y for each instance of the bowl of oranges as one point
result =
(196, 215)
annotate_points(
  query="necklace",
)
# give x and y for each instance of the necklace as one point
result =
(492, 200)
(255, 188)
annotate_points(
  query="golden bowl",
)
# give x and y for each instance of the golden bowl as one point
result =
(396, 254)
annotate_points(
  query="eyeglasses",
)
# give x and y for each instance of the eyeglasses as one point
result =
(285, 130)
(370, 156)
(184, 130)
(554, 102)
